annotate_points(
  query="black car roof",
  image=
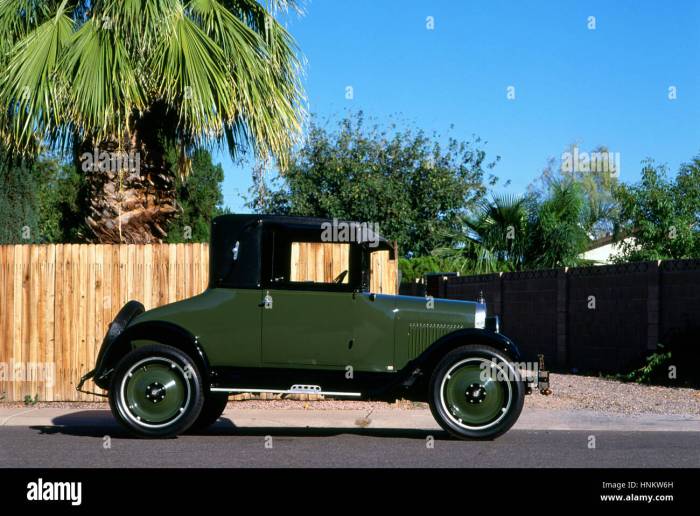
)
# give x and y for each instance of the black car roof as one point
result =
(241, 235)
(293, 222)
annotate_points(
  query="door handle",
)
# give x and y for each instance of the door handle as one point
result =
(266, 302)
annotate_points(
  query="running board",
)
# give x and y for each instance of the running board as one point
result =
(294, 389)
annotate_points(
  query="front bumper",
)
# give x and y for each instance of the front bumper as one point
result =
(85, 378)
(539, 379)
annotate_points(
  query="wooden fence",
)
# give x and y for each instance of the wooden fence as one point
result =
(56, 302)
(323, 262)
(318, 262)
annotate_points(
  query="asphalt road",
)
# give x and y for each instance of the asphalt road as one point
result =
(228, 446)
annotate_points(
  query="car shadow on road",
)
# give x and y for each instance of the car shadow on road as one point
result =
(97, 424)
(225, 427)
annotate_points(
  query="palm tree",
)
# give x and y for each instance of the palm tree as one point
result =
(493, 239)
(114, 79)
(557, 231)
(511, 233)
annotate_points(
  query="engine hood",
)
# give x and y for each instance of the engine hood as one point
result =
(421, 321)
(467, 314)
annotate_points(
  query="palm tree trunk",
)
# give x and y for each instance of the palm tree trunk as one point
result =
(131, 196)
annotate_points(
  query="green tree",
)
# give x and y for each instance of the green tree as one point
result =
(491, 239)
(109, 79)
(417, 267)
(509, 233)
(39, 200)
(199, 199)
(60, 201)
(662, 215)
(595, 173)
(19, 220)
(415, 188)
(556, 234)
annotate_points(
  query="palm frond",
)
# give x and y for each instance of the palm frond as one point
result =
(265, 69)
(138, 21)
(29, 86)
(19, 17)
(104, 87)
(82, 68)
(193, 77)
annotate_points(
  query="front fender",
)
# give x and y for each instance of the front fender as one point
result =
(457, 338)
(162, 332)
(413, 377)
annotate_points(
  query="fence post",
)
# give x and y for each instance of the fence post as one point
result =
(562, 302)
(653, 311)
(397, 272)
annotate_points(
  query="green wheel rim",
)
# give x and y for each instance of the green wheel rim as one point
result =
(155, 392)
(472, 394)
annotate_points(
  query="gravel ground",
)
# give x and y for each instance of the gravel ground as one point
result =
(612, 396)
(570, 392)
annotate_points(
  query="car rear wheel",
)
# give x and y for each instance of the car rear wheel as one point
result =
(156, 391)
(214, 406)
(476, 392)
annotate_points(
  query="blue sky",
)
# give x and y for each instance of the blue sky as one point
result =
(607, 86)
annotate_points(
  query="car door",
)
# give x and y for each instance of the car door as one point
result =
(315, 315)
(307, 327)
(316, 328)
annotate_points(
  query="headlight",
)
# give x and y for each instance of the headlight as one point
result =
(480, 316)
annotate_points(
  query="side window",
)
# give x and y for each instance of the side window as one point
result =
(294, 259)
(320, 262)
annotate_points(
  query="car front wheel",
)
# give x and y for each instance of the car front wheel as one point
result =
(156, 391)
(476, 392)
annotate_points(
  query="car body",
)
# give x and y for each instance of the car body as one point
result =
(260, 326)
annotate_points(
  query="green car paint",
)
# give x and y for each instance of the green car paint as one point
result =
(226, 321)
(420, 322)
(313, 329)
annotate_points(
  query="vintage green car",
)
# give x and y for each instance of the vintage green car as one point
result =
(261, 327)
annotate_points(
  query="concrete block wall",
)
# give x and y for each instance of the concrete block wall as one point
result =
(603, 318)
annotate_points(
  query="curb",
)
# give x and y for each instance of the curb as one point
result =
(414, 419)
